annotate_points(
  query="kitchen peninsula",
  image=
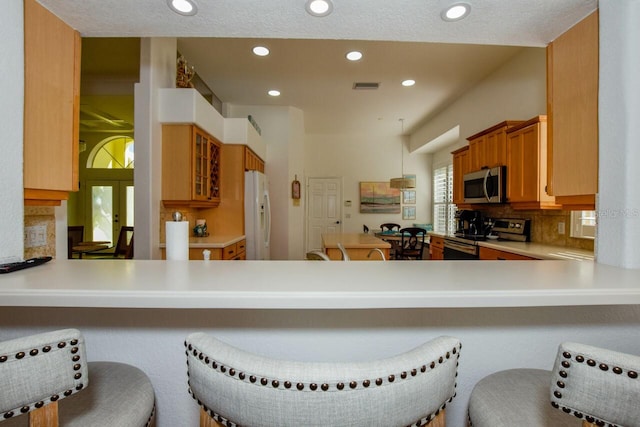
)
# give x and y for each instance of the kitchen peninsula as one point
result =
(505, 313)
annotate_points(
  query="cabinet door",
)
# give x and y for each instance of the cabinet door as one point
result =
(476, 153)
(523, 175)
(495, 149)
(200, 170)
(51, 106)
(460, 167)
(495, 254)
(572, 106)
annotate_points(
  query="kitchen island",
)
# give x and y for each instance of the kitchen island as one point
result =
(359, 246)
(507, 314)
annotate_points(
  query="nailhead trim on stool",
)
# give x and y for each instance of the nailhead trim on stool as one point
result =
(46, 349)
(565, 371)
(338, 386)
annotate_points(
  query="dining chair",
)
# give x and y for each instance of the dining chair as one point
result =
(588, 386)
(124, 246)
(75, 235)
(234, 387)
(412, 243)
(389, 226)
(46, 381)
(317, 256)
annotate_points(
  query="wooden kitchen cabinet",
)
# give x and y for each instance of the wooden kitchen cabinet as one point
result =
(572, 107)
(495, 254)
(436, 248)
(251, 161)
(527, 166)
(232, 252)
(191, 167)
(488, 148)
(460, 167)
(51, 106)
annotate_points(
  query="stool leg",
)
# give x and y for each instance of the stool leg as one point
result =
(207, 421)
(47, 416)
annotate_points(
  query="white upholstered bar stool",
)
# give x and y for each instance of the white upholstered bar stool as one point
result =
(237, 388)
(591, 386)
(45, 380)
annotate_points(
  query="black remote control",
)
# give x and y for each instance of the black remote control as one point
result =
(15, 266)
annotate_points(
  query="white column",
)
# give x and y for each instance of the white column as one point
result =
(618, 205)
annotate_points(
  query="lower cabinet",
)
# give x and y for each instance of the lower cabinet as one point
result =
(436, 248)
(495, 254)
(232, 252)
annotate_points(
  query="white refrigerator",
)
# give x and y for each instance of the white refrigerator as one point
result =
(257, 215)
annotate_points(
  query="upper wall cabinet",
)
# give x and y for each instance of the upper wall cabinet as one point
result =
(191, 167)
(527, 166)
(489, 147)
(460, 167)
(51, 106)
(572, 109)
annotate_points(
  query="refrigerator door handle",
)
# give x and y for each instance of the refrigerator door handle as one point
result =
(268, 218)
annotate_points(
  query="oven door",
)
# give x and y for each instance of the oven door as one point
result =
(454, 250)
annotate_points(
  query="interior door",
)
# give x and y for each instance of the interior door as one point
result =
(324, 210)
(109, 206)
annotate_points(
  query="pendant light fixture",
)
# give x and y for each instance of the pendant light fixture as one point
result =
(402, 182)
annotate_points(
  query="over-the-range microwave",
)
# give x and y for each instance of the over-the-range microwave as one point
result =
(486, 185)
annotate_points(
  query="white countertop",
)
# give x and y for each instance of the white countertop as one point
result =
(211, 241)
(534, 250)
(318, 285)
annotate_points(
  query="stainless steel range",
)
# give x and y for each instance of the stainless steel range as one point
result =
(464, 246)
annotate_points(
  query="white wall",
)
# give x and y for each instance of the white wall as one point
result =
(157, 70)
(618, 206)
(368, 157)
(515, 91)
(11, 114)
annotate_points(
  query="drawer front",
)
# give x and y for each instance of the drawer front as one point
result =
(241, 246)
(230, 252)
(437, 242)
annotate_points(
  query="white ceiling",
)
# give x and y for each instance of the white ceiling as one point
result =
(400, 39)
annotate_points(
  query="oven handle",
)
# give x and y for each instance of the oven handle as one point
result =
(467, 249)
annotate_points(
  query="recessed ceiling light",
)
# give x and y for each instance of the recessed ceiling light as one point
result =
(408, 82)
(274, 92)
(261, 51)
(456, 11)
(183, 7)
(319, 7)
(354, 55)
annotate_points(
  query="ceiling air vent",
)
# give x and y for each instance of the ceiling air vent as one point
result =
(365, 85)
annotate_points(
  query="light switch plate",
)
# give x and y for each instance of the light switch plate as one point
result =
(35, 236)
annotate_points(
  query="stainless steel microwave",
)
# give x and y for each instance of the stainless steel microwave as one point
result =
(486, 185)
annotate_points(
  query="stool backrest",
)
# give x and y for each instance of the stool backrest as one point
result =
(236, 387)
(597, 385)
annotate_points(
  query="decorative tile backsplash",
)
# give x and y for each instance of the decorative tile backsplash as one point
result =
(544, 226)
(37, 216)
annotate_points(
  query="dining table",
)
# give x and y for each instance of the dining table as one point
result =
(88, 247)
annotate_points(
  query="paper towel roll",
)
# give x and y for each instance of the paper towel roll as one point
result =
(177, 240)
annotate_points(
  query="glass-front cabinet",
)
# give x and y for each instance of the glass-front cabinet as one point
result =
(191, 165)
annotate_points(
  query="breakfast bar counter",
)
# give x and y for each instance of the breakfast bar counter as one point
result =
(318, 285)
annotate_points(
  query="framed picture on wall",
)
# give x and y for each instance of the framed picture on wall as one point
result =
(379, 197)
(409, 197)
(408, 212)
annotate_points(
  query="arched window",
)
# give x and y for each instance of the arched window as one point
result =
(112, 153)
